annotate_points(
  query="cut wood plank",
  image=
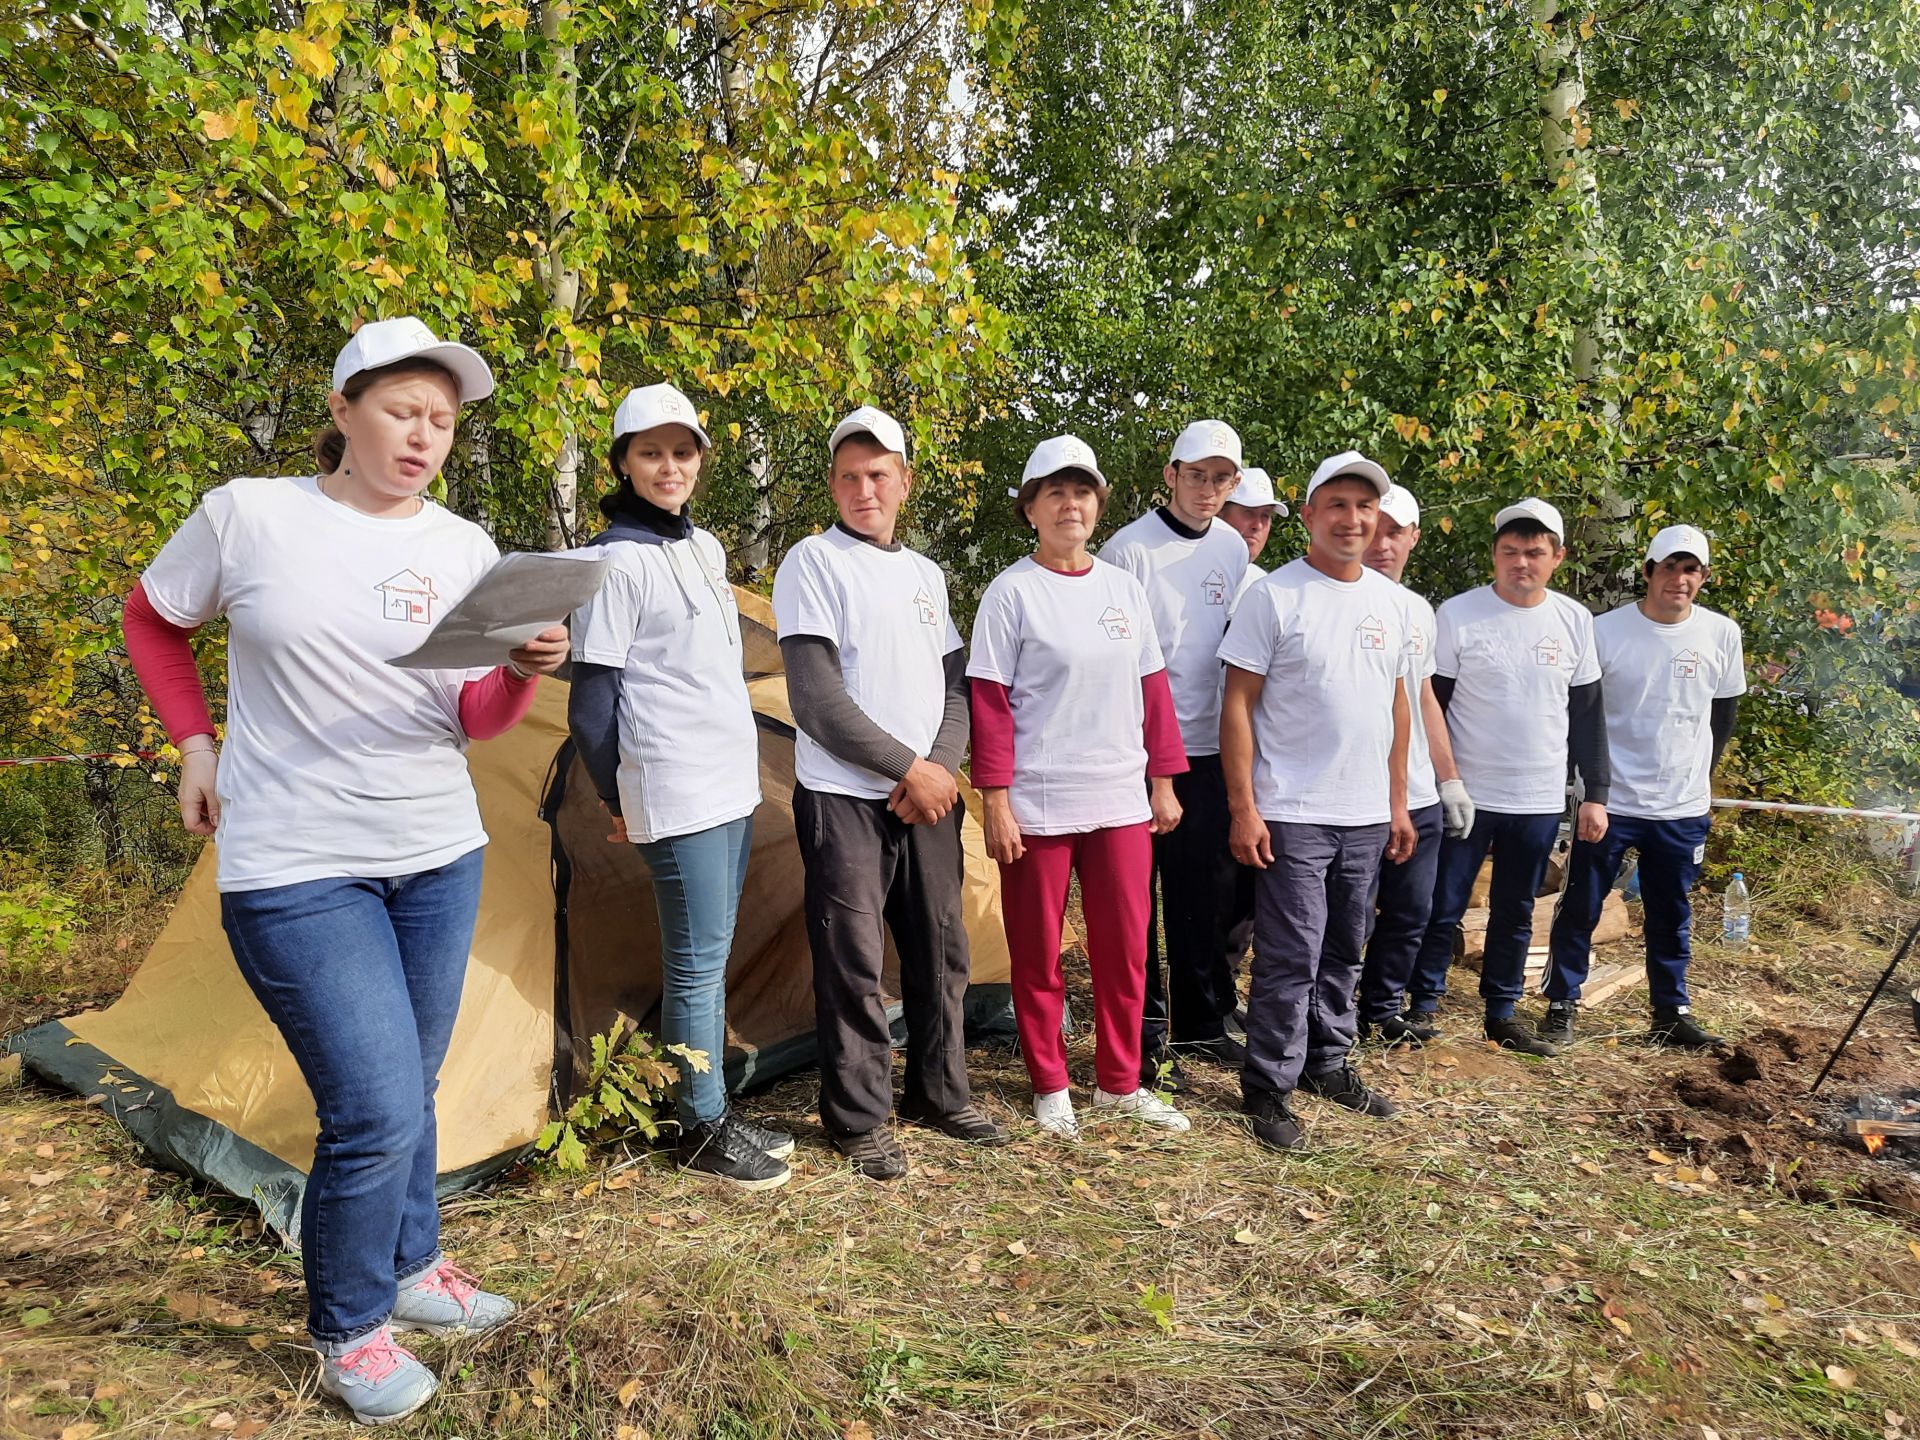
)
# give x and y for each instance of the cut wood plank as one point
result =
(1891, 1129)
(1607, 981)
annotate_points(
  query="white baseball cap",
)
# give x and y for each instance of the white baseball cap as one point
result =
(1061, 452)
(1206, 439)
(870, 420)
(1255, 490)
(1349, 464)
(1399, 506)
(1532, 509)
(1678, 540)
(387, 342)
(650, 406)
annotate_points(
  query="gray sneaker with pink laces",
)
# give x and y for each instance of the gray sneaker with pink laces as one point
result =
(446, 1300)
(380, 1382)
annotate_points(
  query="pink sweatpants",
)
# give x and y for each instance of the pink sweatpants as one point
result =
(1114, 867)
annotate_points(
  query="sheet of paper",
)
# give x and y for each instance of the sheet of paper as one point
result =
(519, 597)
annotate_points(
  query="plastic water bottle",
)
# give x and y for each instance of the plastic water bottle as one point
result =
(1736, 915)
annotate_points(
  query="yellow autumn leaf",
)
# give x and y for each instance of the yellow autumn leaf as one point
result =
(218, 126)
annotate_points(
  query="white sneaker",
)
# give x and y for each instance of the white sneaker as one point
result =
(1144, 1106)
(1054, 1114)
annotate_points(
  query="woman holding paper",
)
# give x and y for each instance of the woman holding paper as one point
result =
(660, 715)
(349, 836)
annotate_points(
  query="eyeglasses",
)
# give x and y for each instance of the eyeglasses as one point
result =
(1202, 480)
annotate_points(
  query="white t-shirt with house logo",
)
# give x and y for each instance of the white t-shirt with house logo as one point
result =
(1332, 652)
(1422, 790)
(886, 612)
(335, 763)
(689, 748)
(1191, 584)
(1659, 683)
(1512, 666)
(1072, 651)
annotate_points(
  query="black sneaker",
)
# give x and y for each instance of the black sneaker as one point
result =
(967, 1124)
(1410, 1030)
(721, 1149)
(1513, 1033)
(1222, 1050)
(776, 1143)
(875, 1153)
(1677, 1029)
(1557, 1026)
(1343, 1086)
(1272, 1123)
(1160, 1071)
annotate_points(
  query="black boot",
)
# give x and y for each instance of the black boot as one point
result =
(1513, 1033)
(1677, 1029)
(874, 1153)
(1557, 1027)
(1343, 1086)
(1272, 1123)
(1223, 1050)
(1411, 1030)
(723, 1150)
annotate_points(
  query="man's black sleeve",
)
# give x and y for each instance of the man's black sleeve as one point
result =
(1725, 713)
(956, 724)
(822, 707)
(593, 716)
(1587, 741)
(1443, 690)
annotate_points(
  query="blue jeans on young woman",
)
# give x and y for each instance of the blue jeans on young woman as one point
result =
(1671, 852)
(363, 980)
(1521, 846)
(696, 890)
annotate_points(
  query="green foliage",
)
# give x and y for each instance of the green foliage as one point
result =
(37, 922)
(626, 1080)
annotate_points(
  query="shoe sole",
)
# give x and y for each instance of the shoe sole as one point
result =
(1098, 1114)
(999, 1137)
(1542, 1049)
(771, 1182)
(457, 1327)
(360, 1419)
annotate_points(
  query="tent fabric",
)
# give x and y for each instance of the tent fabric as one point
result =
(566, 944)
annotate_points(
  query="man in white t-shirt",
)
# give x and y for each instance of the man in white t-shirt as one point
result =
(1516, 674)
(1673, 673)
(1189, 562)
(877, 679)
(1251, 510)
(1437, 801)
(1313, 740)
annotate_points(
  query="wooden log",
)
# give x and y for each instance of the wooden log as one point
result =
(1889, 1129)
(1614, 924)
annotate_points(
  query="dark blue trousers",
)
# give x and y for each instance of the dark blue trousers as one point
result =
(1402, 909)
(1670, 856)
(1521, 846)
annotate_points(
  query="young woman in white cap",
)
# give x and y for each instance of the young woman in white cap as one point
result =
(349, 836)
(659, 712)
(1071, 714)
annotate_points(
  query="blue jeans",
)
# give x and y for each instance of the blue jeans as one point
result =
(696, 889)
(1670, 856)
(1521, 846)
(363, 979)
(1402, 909)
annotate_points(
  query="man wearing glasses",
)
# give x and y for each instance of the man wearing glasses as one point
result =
(1190, 565)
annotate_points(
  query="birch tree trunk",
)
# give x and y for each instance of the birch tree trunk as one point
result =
(736, 79)
(1564, 133)
(559, 277)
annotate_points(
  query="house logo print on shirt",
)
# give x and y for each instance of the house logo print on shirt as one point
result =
(1686, 665)
(1373, 635)
(1214, 587)
(923, 602)
(1547, 653)
(1114, 621)
(407, 597)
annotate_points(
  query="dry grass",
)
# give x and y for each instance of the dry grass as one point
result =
(1513, 1258)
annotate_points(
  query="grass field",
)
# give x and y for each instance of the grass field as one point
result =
(1622, 1242)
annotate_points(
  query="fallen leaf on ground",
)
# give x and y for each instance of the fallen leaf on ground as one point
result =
(1596, 1402)
(1244, 1236)
(1017, 1247)
(627, 1393)
(1660, 1157)
(1840, 1377)
(223, 1421)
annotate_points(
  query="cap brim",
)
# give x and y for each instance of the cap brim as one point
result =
(847, 429)
(1360, 470)
(470, 373)
(1086, 470)
(706, 441)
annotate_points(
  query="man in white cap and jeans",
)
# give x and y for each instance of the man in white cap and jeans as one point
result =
(1437, 801)
(1516, 672)
(1314, 743)
(1672, 673)
(1252, 509)
(1190, 562)
(876, 675)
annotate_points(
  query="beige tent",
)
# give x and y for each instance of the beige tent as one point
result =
(566, 942)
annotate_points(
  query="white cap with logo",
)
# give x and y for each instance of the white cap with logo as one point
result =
(1061, 452)
(650, 406)
(380, 343)
(1207, 440)
(1349, 465)
(873, 421)
(1678, 540)
(1399, 506)
(1532, 509)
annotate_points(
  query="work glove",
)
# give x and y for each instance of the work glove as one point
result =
(1457, 806)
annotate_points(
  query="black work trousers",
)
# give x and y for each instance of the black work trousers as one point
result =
(1195, 875)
